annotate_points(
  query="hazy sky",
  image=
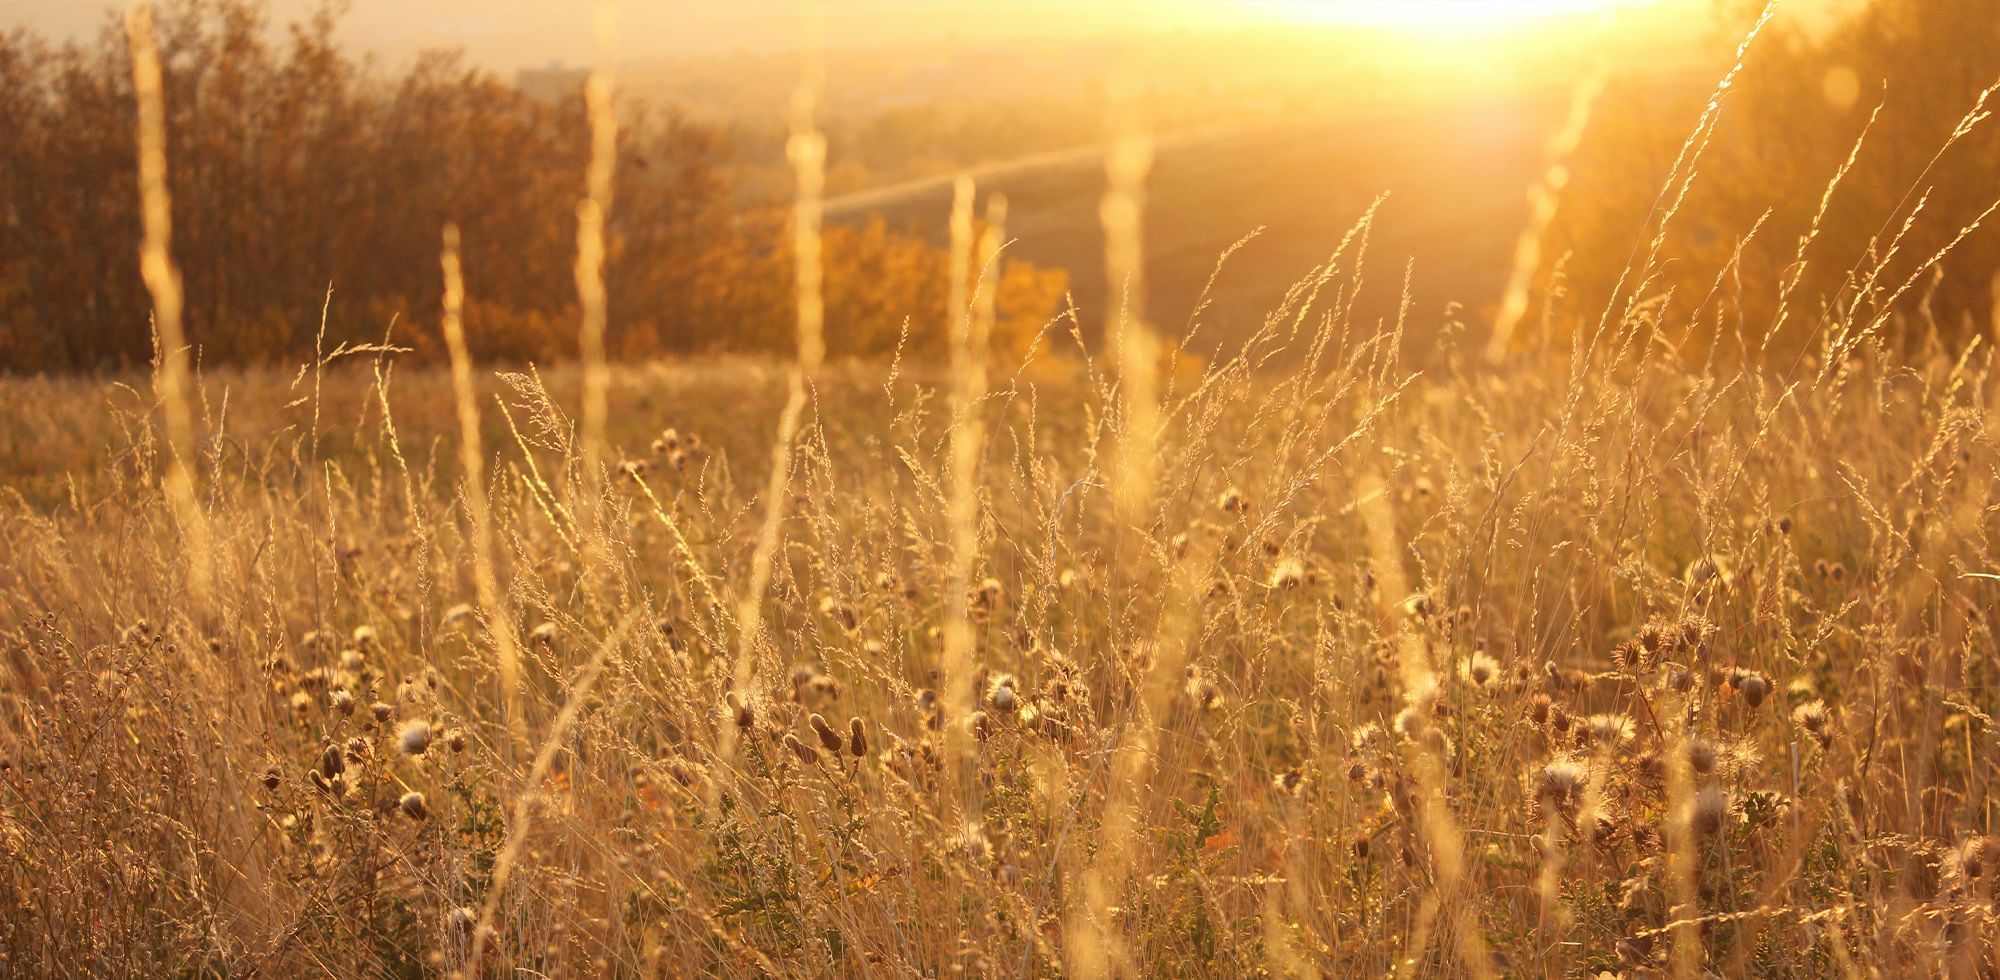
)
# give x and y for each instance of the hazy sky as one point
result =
(513, 33)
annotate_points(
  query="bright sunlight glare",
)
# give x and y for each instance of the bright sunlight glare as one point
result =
(1434, 17)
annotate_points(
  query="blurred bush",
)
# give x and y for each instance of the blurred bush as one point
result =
(1787, 125)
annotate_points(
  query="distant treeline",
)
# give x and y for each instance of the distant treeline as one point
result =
(295, 168)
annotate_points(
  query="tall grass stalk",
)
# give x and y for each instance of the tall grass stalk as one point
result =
(472, 466)
(970, 326)
(807, 151)
(172, 377)
(591, 214)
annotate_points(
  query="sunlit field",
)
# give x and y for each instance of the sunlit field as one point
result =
(860, 601)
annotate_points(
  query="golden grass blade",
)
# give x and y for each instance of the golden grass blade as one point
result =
(967, 325)
(471, 460)
(591, 214)
(1542, 202)
(807, 150)
(1093, 946)
(1136, 351)
(171, 380)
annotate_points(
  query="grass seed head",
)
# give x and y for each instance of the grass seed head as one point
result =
(827, 736)
(332, 761)
(1701, 756)
(740, 711)
(414, 737)
(857, 738)
(1201, 691)
(973, 844)
(1817, 722)
(1418, 606)
(1975, 857)
(1480, 669)
(1707, 811)
(1753, 686)
(1559, 785)
(1000, 693)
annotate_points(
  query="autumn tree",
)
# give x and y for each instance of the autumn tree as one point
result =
(309, 190)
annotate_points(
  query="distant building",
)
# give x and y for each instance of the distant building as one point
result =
(551, 83)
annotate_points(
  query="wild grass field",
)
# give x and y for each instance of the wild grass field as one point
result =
(1598, 667)
(1657, 641)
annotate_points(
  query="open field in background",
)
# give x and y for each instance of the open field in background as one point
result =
(262, 429)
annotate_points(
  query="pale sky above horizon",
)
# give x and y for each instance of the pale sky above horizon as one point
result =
(523, 33)
(509, 34)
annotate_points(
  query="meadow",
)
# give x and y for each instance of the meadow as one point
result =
(1654, 640)
(1573, 667)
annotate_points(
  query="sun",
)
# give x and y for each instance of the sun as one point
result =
(1448, 17)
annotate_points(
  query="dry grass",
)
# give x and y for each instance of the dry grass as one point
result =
(1304, 662)
(1666, 655)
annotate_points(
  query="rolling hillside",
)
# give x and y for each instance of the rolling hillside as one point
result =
(1457, 176)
